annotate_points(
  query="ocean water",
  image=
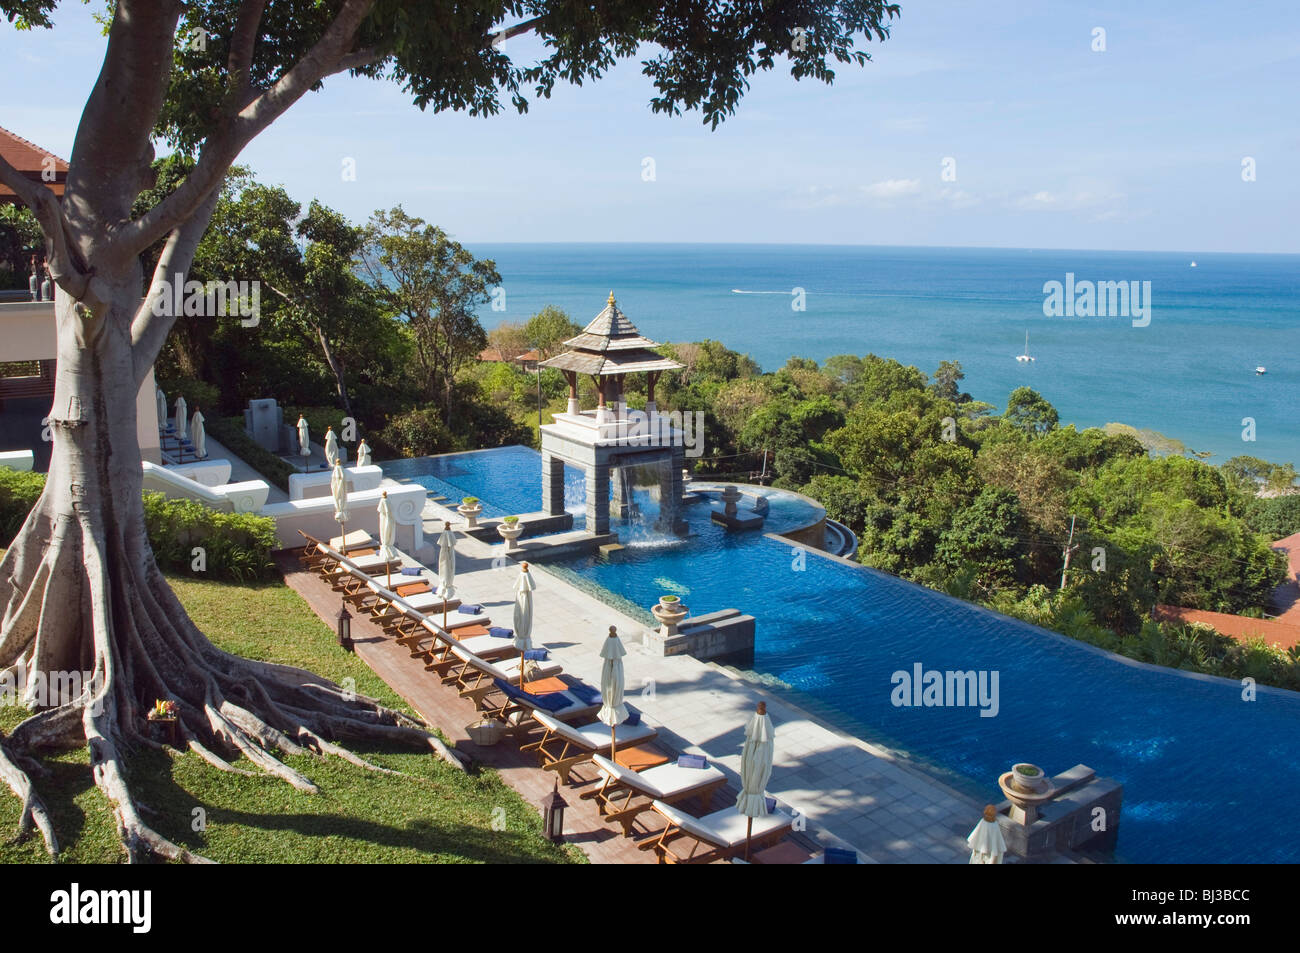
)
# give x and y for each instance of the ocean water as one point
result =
(1190, 373)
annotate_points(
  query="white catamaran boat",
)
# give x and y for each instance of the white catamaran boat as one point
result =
(1261, 369)
(1025, 358)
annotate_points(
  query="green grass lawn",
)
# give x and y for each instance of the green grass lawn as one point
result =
(435, 814)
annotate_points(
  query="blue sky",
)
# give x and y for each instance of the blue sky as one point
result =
(1055, 145)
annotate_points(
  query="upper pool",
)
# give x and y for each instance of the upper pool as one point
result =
(1208, 776)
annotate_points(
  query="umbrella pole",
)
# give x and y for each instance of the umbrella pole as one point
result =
(613, 744)
(749, 835)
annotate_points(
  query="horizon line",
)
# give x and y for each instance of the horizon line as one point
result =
(1025, 248)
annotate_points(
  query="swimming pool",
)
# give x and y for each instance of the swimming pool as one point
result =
(1208, 777)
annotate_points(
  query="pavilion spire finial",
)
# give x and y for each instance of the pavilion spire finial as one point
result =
(611, 298)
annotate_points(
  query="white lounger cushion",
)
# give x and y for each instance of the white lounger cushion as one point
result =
(366, 563)
(424, 601)
(357, 539)
(663, 781)
(595, 737)
(724, 828)
(507, 670)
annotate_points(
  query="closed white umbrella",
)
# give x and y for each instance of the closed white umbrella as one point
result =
(198, 436)
(446, 567)
(182, 412)
(161, 399)
(339, 490)
(363, 453)
(612, 710)
(304, 440)
(987, 845)
(331, 446)
(524, 587)
(755, 769)
(387, 533)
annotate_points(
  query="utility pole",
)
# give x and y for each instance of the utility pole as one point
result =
(1069, 550)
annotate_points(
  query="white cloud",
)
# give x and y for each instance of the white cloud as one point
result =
(892, 188)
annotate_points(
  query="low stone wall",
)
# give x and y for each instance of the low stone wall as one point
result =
(725, 636)
(315, 516)
(814, 536)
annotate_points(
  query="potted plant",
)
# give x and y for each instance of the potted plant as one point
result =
(470, 509)
(670, 602)
(510, 530)
(163, 720)
(1029, 777)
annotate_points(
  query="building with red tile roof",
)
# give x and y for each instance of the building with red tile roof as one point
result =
(37, 164)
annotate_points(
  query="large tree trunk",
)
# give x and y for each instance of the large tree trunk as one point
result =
(84, 604)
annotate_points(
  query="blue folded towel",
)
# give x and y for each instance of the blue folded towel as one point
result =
(501, 632)
(585, 693)
(771, 804)
(692, 761)
(470, 610)
(536, 655)
(633, 716)
(410, 570)
(838, 855)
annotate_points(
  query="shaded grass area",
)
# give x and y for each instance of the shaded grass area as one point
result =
(433, 814)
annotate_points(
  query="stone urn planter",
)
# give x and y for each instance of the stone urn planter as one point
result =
(1029, 778)
(730, 497)
(471, 509)
(669, 612)
(509, 529)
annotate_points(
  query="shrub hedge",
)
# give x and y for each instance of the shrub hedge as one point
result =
(229, 431)
(236, 546)
(19, 491)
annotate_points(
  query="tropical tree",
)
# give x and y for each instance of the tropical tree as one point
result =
(79, 586)
(1029, 411)
(548, 329)
(434, 283)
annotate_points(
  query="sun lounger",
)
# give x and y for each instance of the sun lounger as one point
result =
(475, 677)
(625, 793)
(563, 747)
(519, 710)
(717, 836)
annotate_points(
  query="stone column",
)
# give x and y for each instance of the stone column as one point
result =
(621, 505)
(572, 378)
(598, 499)
(670, 492)
(552, 484)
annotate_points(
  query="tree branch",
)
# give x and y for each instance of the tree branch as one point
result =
(225, 144)
(242, 42)
(113, 146)
(149, 330)
(45, 206)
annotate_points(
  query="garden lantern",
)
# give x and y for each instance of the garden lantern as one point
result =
(553, 816)
(345, 627)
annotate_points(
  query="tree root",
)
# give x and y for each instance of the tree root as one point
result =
(34, 813)
(63, 609)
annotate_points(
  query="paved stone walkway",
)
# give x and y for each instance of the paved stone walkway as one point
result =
(848, 790)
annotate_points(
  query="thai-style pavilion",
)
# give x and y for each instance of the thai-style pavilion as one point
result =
(608, 442)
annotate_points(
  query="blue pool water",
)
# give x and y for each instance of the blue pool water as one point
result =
(1207, 776)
